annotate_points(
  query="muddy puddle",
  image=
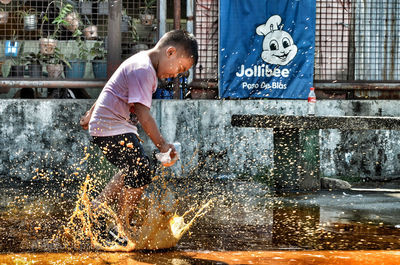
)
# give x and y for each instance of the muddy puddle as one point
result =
(246, 224)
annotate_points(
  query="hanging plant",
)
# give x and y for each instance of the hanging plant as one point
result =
(73, 21)
(15, 65)
(146, 16)
(30, 22)
(48, 44)
(90, 32)
(102, 7)
(13, 47)
(28, 17)
(86, 7)
(3, 16)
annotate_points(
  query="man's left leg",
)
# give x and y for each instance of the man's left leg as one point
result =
(127, 203)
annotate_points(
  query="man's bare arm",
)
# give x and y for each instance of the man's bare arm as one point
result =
(84, 120)
(149, 125)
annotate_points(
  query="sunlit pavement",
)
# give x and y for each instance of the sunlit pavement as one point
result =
(236, 257)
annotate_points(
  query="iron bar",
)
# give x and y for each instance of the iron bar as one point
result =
(357, 86)
(51, 83)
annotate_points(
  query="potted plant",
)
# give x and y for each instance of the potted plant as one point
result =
(47, 45)
(28, 17)
(35, 64)
(90, 30)
(86, 7)
(73, 21)
(137, 47)
(78, 62)
(15, 65)
(12, 47)
(146, 16)
(3, 16)
(55, 63)
(102, 7)
(125, 21)
(99, 61)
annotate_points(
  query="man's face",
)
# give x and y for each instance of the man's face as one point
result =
(172, 63)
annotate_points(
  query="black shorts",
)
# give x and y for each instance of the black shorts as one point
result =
(126, 152)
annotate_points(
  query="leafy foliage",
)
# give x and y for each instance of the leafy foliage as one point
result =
(59, 20)
(56, 58)
(98, 51)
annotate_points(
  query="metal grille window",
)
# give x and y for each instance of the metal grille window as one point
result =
(206, 31)
(68, 30)
(78, 30)
(138, 26)
(357, 40)
(332, 40)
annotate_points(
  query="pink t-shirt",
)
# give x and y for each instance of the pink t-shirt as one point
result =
(134, 81)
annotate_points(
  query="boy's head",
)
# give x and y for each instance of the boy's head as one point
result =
(178, 52)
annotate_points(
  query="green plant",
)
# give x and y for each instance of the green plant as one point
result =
(131, 23)
(34, 58)
(56, 58)
(23, 12)
(59, 20)
(14, 37)
(86, 21)
(21, 59)
(98, 51)
(83, 53)
(148, 5)
(133, 31)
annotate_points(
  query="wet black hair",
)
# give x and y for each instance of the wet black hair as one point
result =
(183, 39)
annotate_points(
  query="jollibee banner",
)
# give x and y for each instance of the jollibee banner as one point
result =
(266, 48)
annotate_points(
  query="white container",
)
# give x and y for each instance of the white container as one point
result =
(165, 158)
(312, 100)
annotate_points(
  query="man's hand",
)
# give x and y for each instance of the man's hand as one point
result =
(165, 147)
(84, 121)
(169, 157)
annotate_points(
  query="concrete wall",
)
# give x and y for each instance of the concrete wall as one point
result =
(45, 135)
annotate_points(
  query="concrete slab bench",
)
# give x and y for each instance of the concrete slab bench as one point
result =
(296, 143)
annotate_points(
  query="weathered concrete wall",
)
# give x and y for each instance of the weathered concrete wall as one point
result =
(45, 135)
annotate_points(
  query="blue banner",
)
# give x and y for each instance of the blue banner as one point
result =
(266, 48)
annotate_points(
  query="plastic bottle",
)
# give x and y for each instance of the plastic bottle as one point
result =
(165, 158)
(312, 100)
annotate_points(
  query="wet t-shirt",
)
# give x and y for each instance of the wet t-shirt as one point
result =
(134, 81)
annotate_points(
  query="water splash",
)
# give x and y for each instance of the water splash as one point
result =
(157, 225)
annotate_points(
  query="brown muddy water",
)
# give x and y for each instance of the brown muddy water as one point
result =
(246, 224)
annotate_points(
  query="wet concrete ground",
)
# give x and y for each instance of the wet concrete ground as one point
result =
(247, 224)
(208, 258)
